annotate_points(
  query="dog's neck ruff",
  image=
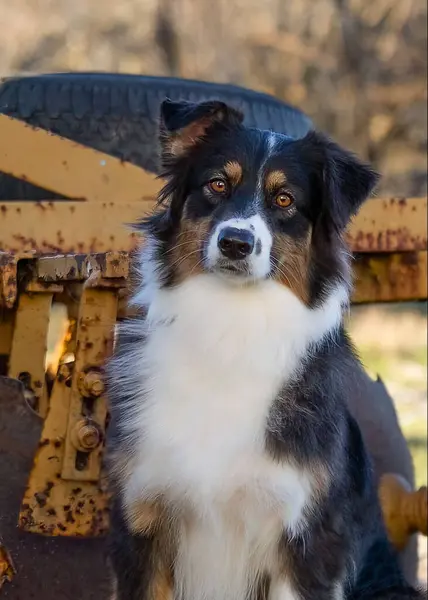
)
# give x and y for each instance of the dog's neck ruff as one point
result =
(215, 359)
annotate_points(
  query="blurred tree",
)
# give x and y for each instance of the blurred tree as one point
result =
(358, 68)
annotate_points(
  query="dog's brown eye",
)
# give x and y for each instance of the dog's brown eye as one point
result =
(218, 186)
(284, 200)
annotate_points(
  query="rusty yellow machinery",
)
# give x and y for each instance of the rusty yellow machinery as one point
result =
(77, 253)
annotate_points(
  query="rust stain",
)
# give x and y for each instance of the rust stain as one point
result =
(390, 277)
(390, 225)
(7, 568)
(383, 225)
(8, 280)
(74, 500)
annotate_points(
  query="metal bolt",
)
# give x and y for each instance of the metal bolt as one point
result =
(90, 384)
(64, 373)
(86, 435)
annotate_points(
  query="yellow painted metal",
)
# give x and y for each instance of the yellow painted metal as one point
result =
(68, 227)
(379, 277)
(8, 283)
(97, 316)
(390, 225)
(383, 225)
(7, 568)
(78, 267)
(51, 505)
(394, 277)
(28, 352)
(405, 511)
(63, 166)
(66, 492)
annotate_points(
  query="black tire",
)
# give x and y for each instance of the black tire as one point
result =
(118, 114)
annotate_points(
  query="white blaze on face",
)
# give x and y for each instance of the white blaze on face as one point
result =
(259, 259)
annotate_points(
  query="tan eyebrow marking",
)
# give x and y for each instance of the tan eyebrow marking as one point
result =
(275, 180)
(233, 171)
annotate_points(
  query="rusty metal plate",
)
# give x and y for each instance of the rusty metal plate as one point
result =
(78, 267)
(66, 492)
(390, 225)
(69, 227)
(379, 277)
(7, 568)
(88, 405)
(46, 567)
(390, 277)
(383, 225)
(8, 279)
(28, 352)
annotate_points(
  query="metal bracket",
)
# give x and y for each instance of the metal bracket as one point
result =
(66, 493)
(88, 410)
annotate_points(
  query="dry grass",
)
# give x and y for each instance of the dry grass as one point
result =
(392, 340)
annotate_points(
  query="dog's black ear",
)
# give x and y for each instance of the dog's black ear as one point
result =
(184, 123)
(345, 180)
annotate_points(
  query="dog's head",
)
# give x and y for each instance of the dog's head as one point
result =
(246, 205)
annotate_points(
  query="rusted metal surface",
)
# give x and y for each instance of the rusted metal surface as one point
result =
(80, 266)
(8, 278)
(71, 169)
(52, 568)
(98, 310)
(405, 511)
(383, 225)
(390, 225)
(68, 227)
(28, 352)
(390, 277)
(7, 568)
(379, 277)
(52, 505)
(66, 493)
(52, 162)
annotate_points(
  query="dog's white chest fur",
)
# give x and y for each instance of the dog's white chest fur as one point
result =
(215, 359)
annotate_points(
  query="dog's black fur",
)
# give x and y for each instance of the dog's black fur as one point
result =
(309, 422)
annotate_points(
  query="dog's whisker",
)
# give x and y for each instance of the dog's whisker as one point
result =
(182, 259)
(176, 246)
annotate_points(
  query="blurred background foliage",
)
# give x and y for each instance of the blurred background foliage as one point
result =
(358, 67)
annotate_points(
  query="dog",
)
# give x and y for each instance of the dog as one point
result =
(237, 471)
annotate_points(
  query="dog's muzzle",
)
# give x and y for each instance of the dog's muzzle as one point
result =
(235, 244)
(240, 249)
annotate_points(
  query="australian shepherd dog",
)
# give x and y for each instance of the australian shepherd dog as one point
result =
(237, 470)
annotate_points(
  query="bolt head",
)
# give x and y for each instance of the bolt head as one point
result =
(90, 384)
(86, 435)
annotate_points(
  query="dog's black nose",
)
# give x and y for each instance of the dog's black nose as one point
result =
(235, 243)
